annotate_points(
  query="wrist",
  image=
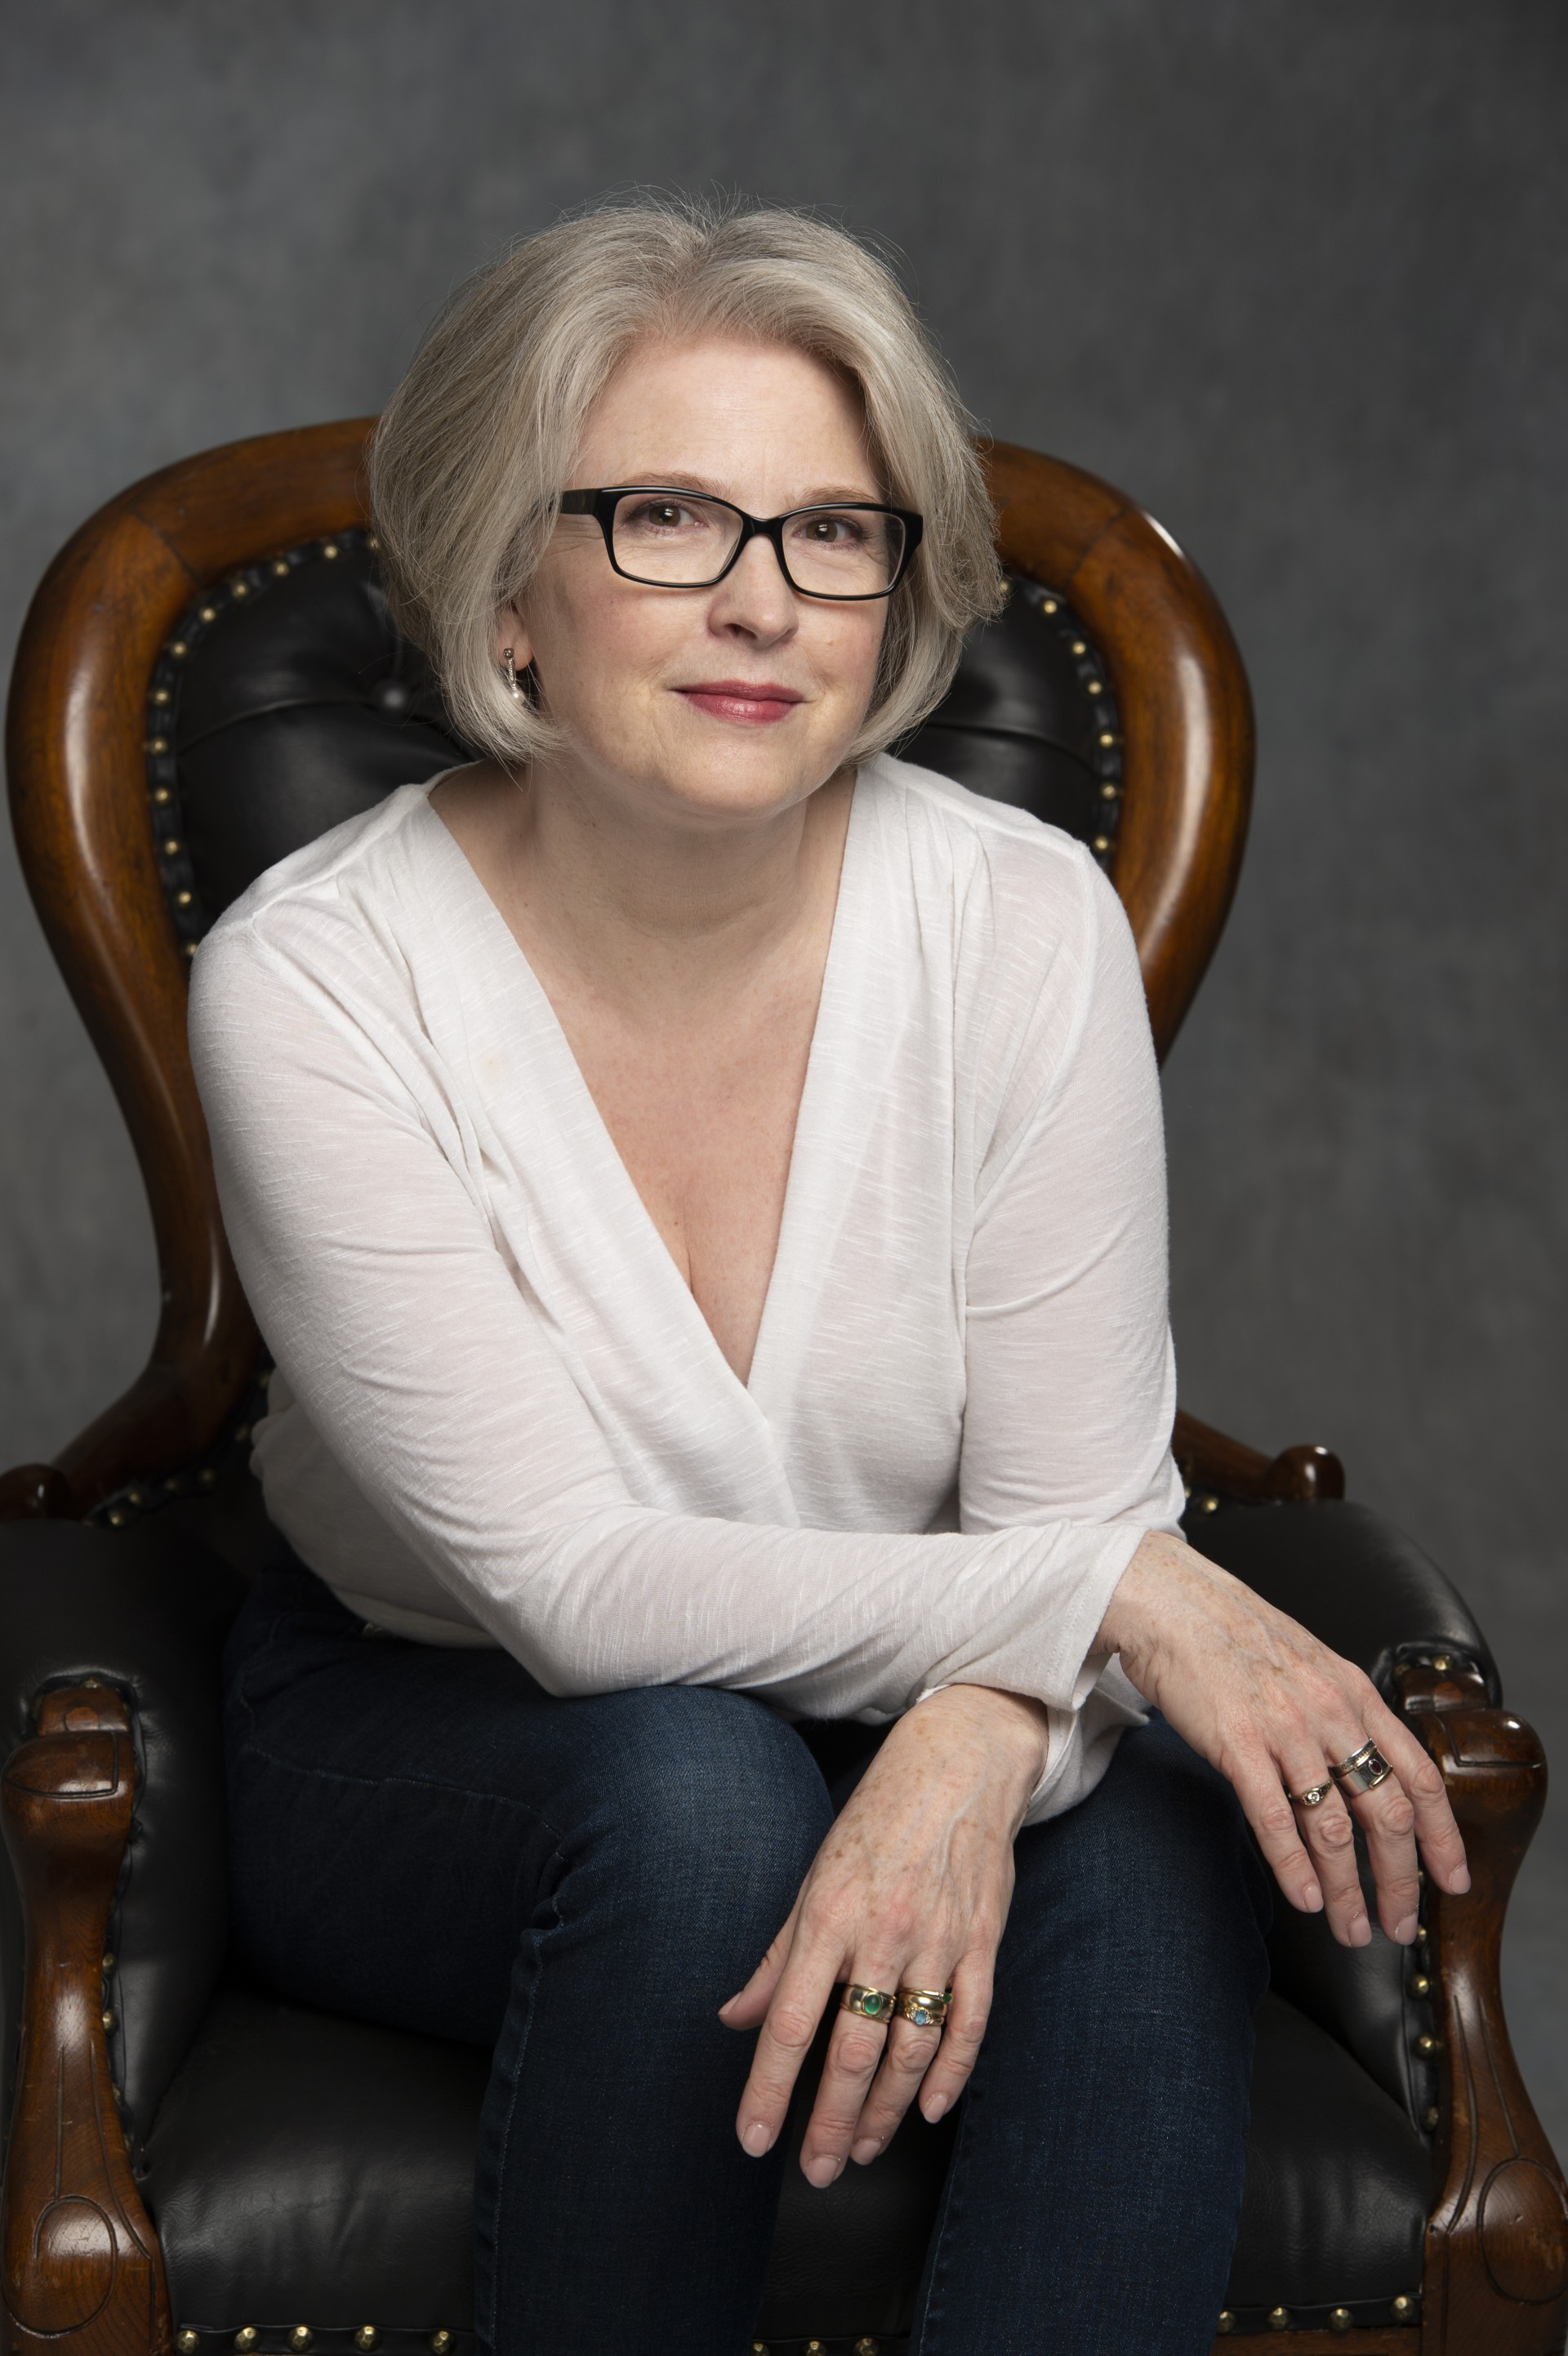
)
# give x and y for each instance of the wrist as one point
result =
(1014, 1728)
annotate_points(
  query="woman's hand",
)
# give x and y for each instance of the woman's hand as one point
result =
(1272, 1708)
(910, 1889)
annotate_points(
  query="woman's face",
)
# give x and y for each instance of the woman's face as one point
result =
(708, 706)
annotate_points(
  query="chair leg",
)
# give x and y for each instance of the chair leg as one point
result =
(82, 2271)
(1496, 2281)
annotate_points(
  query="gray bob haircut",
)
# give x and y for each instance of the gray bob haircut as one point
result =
(475, 448)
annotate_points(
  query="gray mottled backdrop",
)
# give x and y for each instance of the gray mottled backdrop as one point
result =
(1293, 275)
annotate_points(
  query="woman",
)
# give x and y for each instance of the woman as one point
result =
(701, 1180)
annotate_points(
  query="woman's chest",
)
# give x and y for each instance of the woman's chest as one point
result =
(703, 1119)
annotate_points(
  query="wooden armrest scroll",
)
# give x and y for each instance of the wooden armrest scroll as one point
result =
(1211, 1463)
(83, 2272)
(1497, 2246)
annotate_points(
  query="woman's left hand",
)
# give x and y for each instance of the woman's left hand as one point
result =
(1272, 1708)
(910, 1889)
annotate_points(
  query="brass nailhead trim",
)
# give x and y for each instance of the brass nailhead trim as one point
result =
(366, 2335)
(245, 2339)
(187, 2341)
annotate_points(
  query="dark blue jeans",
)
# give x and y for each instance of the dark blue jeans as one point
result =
(426, 1838)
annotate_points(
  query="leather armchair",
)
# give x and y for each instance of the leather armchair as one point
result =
(210, 677)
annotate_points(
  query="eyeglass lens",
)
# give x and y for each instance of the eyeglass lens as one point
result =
(687, 544)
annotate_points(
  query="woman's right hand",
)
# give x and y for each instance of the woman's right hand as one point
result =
(1272, 1708)
(910, 1889)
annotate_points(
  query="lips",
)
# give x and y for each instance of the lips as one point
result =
(751, 703)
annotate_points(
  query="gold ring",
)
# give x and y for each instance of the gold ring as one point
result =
(871, 2004)
(1313, 1797)
(925, 2007)
(1363, 1771)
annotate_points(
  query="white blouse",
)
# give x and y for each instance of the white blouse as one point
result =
(499, 1416)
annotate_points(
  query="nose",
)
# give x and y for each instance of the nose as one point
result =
(754, 596)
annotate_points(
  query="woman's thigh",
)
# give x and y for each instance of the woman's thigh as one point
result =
(401, 1815)
(1096, 2177)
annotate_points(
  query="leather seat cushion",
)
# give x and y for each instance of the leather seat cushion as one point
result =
(305, 2168)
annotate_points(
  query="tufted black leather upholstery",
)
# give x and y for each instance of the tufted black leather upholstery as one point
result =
(304, 2168)
(298, 705)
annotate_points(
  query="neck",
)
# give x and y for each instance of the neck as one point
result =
(660, 914)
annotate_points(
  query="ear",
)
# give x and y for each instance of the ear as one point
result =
(511, 630)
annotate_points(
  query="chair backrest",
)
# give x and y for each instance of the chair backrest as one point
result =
(209, 676)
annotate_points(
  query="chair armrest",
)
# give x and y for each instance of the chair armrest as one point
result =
(82, 2268)
(1368, 1590)
(1497, 2246)
(1211, 1463)
(144, 1611)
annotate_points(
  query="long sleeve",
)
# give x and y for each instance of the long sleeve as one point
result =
(427, 1356)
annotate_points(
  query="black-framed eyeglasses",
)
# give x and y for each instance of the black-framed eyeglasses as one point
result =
(670, 539)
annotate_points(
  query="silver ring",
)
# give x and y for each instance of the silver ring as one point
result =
(1363, 1771)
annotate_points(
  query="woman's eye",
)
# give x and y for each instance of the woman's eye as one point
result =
(661, 514)
(833, 532)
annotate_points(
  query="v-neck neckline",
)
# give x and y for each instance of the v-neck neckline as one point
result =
(823, 1102)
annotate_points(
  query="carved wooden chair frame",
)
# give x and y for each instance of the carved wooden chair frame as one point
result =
(81, 723)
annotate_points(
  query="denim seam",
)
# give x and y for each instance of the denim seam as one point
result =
(931, 2318)
(485, 2330)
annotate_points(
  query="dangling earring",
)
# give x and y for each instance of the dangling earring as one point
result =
(513, 687)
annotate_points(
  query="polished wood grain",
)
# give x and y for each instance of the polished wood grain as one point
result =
(1215, 1465)
(75, 733)
(1497, 2245)
(1186, 713)
(83, 2274)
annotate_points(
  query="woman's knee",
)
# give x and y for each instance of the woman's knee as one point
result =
(1161, 1864)
(709, 1808)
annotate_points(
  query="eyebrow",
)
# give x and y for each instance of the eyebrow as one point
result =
(832, 495)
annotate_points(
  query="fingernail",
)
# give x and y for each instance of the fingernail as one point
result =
(1312, 1898)
(822, 2172)
(866, 2149)
(932, 2110)
(1361, 1931)
(1405, 1931)
(757, 2138)
(1459, 1881)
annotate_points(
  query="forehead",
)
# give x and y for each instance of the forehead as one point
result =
(717, 405)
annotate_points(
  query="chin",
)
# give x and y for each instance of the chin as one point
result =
(739, 777)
